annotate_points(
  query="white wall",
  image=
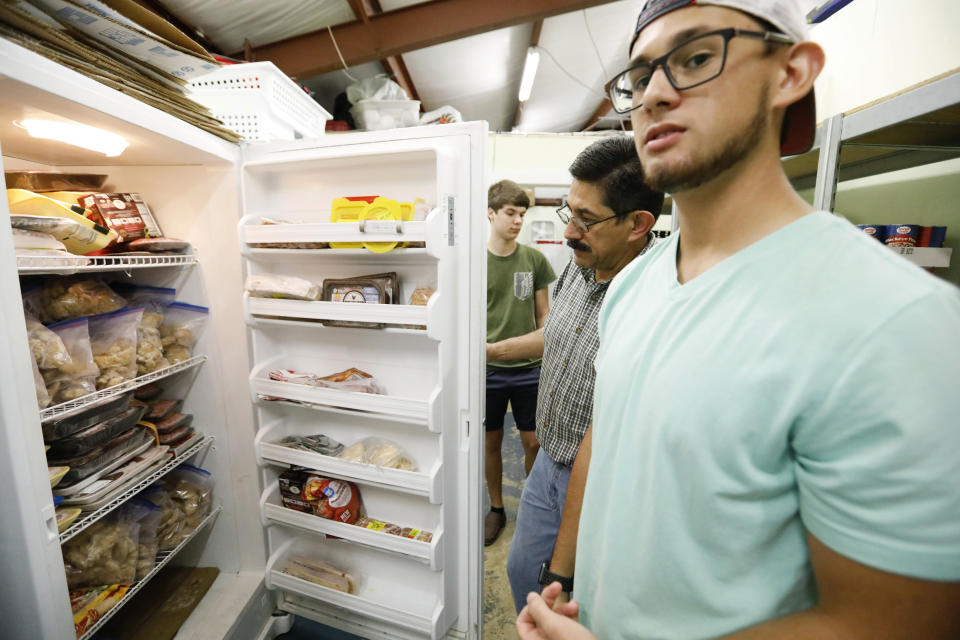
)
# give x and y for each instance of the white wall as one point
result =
(876, 48)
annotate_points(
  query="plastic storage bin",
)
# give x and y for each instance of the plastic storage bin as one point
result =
(260, 103)
(386, 114)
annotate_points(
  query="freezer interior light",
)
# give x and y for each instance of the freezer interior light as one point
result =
(529, 73)
(80, 135)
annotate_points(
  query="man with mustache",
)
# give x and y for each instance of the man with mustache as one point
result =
(517, 303)
(609, 213)
(774, 447)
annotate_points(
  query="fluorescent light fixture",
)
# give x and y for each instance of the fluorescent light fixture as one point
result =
(529, 73)
(79, 135)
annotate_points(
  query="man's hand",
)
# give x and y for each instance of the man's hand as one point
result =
(545, 619)
(491, 352)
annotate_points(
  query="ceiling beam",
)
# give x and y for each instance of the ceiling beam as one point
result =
(534, 41)
(397, 68)
(407, 29)
(393, 65)
(359, 10)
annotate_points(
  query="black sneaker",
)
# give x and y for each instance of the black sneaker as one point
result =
(492, 526)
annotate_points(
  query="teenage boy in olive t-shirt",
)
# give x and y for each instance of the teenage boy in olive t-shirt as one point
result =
(517, 303)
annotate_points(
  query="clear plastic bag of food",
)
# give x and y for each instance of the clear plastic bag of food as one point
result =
(318, 443)
(191, 489)
(113, 341)
(319, 572)
(285, 287)
(379, 452)
(48, 349)
(348, 380)
(170, 527)
(421, 295)
(75, 297)
(43, 398)
(154, 301)
(103, 553)
(148, 515)
(78, 378)
(182, 325)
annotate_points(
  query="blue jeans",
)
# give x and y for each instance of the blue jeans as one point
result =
(538, 522)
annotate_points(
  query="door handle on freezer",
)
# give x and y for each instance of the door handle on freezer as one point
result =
(49, 514)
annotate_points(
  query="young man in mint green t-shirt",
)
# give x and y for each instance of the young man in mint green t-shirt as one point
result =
(775, 449)
(517, 303)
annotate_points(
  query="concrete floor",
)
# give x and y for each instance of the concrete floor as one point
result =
(499, 616)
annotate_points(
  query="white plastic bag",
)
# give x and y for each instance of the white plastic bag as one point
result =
(379, 87)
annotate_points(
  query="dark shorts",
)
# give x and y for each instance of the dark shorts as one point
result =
(519, 388)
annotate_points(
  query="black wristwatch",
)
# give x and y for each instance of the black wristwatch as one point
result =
(546, 578)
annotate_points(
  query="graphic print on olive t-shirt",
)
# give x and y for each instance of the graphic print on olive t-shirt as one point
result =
(523, 285)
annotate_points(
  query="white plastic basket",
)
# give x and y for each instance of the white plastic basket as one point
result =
(260, 103)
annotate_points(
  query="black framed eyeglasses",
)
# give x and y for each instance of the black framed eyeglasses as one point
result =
(566, 217)
(689, 64)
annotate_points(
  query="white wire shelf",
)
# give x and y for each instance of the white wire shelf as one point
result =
(162, 559)
(72, 407)
(72, 264)
(926, 256)
(93, 516)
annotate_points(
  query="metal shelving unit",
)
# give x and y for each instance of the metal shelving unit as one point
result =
(162, 559)
(133, 490)
(917, 126)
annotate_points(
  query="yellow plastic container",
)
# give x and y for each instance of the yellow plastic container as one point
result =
(383, 209)
(28, 203)
(343, 210)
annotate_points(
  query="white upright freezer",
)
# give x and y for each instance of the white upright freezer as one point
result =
(429, 359)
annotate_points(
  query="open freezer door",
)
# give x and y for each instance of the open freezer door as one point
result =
(392, 222)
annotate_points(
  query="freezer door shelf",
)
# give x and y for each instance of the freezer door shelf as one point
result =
(418, 483)
(318, 398)
(275, 513)
(387, 592)
(392, 314)
(432, 232)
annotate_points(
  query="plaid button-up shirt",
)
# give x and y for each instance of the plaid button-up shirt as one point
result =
(570, 343)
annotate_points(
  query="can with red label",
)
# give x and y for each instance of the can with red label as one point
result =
(875, 231)
(902, 235)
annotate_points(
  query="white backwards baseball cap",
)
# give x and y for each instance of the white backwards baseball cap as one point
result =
(800, 120)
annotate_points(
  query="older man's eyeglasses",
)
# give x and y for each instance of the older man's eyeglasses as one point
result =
(566, 217)
(690, 64)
